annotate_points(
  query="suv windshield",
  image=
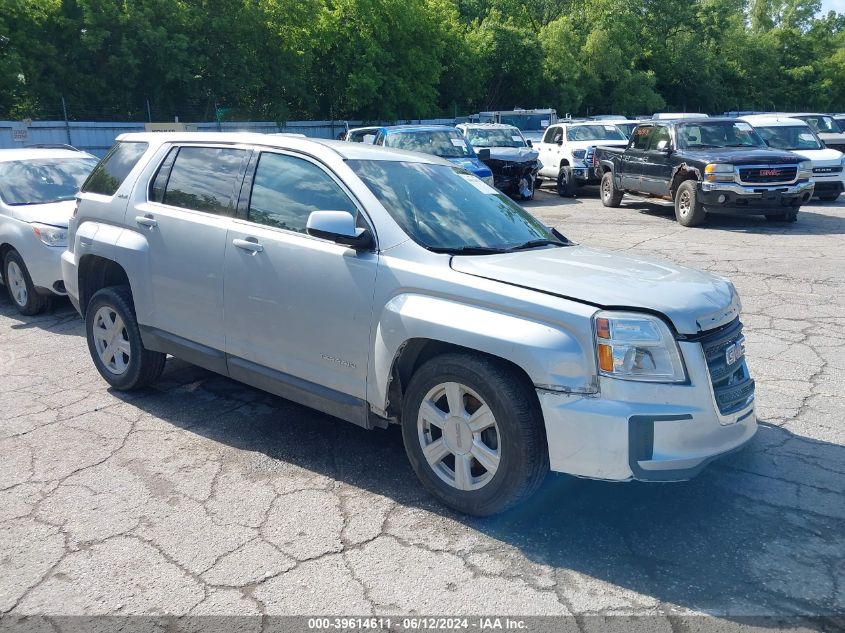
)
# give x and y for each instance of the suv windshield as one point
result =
(41, 181)
(495, 137)
(446, 208)
(603, 132)
(527, 122)
(823, 124)
(789, 137)
(703, 134)
(443, 143)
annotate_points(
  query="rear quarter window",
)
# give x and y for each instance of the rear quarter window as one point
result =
(114, 168)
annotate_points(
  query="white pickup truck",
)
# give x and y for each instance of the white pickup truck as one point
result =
(566, 153)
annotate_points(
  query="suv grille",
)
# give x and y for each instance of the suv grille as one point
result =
(768, 174)
(733, 388)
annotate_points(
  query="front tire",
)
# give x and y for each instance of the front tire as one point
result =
(19, 286)
(114, 341)
(474, 433)
(830, 197)
(566, 182)
(610, 195)
(782, 217)
(688, 210)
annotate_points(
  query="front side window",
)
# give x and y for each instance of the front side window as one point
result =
(660, 135)
(443, 143)
(287, 189)
(790, 137)
(642, 136)
(205, 179)
(594, 133)
(446, 208)
(41, 181)
(495, 137)
(114, 168)
(704, 135)
(553, 135)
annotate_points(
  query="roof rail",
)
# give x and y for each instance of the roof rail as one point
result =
(53, 146)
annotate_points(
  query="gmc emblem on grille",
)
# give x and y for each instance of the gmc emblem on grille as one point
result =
(770, 172)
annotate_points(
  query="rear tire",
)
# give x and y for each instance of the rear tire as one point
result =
(473, 411)
(610, 195)
(831, 197)
(20, 288)
(114, 341)
(565, 182)
(688, 210)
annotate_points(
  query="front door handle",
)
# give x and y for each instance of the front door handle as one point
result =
(249, 244)
(146, 220)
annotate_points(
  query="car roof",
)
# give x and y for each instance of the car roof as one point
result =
(32, 153)
(488, 125)
(772, 120)
(316, 146)
(361, 129)
(417, 128)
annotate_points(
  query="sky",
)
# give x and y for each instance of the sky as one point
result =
(833, 5)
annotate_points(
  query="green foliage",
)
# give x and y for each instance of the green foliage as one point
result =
(388, 59)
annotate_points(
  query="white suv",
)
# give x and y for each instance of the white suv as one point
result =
(37, 190)
(388, 287)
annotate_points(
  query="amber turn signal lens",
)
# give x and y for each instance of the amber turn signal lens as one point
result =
(603, 328)
(605, 357)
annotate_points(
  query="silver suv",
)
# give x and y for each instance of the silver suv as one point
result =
(386, 287)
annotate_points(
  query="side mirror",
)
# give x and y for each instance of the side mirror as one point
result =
(529, 143)
(338, 227)
(560, 141)
(484, 154)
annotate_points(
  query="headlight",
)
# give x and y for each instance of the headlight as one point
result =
(488, 180)
(50, 235)
(633, 346)
(579, 154)
(719, 172)
(805, 169)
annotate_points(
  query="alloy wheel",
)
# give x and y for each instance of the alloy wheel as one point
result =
(685, 203)
(111, 340)
(459, 436)
(17, 283)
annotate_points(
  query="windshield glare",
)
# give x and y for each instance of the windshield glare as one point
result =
(701, 134)
(42, 181)
(603, 132)
(445, 207)
(445, 143)
(790, 137)
(495, 137)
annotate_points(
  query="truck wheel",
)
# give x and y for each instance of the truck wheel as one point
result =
(20, 287)
(688, 209)
(114, 341)
(565, 182)
(830, 197)
(474, 433)
(610, 195)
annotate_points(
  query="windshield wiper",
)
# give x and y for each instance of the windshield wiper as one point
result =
(467, 250)
(536, 244)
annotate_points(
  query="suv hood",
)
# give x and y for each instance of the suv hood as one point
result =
(693, 300)
(573, 145)
(472, 164)
(740, 156)
(53, 213)
(821, 157)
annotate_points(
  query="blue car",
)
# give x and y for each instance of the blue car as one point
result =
(439, 140)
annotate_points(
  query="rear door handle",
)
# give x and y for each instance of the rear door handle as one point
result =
(249, 244)
(146, 220)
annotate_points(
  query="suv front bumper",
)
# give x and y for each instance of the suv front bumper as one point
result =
(644, 431)
(733, 198)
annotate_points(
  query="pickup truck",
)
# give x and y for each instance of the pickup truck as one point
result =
(566, 153)
(706, 166)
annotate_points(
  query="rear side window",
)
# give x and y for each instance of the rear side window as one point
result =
(160, 181)
(287, 189)
(113, 169)
(205, 179)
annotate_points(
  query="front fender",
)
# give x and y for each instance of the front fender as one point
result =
(548, 354)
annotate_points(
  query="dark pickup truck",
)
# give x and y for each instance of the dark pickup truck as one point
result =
(705, 166)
